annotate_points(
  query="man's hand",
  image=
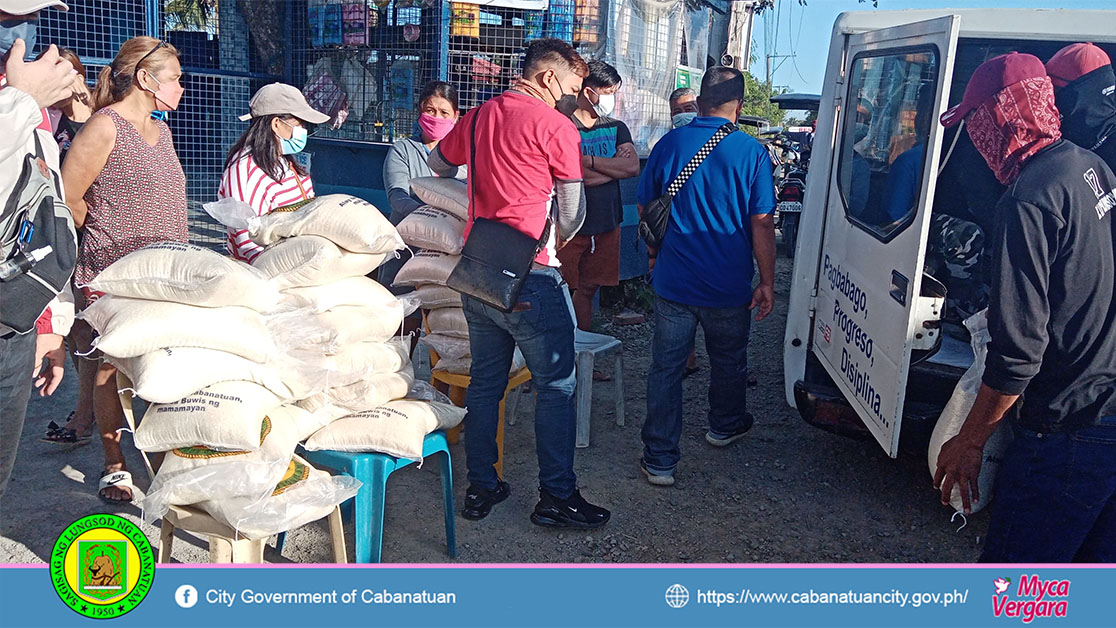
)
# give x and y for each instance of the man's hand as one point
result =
(586, 162)
(763, 300)
(625, 152)
(47, 80)
(49, 375)
(959, 465)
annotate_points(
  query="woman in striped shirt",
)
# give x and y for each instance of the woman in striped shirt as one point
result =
(260, 169)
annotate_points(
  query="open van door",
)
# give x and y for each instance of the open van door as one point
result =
(873, 307)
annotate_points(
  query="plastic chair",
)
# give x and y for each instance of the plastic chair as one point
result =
(373, 469)
(225, 545)
(587, 346)
(458, 383)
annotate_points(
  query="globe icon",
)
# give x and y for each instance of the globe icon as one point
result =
(677, 596)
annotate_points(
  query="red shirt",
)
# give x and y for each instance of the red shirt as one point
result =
(523, 146)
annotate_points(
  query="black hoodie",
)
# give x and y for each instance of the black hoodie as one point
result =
(1088, 108)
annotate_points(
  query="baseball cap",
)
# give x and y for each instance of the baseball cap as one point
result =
(280, 98)
(1073, 62)
(23, 7)
(991, 77)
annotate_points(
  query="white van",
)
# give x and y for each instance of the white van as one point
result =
(866, 350)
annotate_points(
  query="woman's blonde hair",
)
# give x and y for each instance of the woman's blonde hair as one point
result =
(118, 77)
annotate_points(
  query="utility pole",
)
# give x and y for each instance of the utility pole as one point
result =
(769, 58)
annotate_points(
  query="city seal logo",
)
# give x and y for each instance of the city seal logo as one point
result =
(102, 566)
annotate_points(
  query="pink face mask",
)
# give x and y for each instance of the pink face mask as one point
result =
(167, 96)
(434, 127)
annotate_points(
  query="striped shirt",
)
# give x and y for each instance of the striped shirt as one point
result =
(245, 181)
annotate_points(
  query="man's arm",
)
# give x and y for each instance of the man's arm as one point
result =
(440, 165)
(960, 458)
(570, 198)
(624, 165)
(763, 247)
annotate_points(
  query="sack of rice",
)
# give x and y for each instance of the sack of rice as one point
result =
(351, 223)
(172, 373)
(189, 475)
(350, 324)
(448, 321)
(349, 291)
(396, 428)
(184, 273)
(357, 360)
(447, 347)
(313, 261)
(129, 328)
(304, 494)
(451, 195)
(370, 392)
(433, 297)
(433, 229)
(425, 268)
(461, 365)
(224, 417)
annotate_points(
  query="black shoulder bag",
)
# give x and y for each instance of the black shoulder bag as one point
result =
(497, 257)
(656, 216)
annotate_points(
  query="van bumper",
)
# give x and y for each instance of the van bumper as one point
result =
(823, 406)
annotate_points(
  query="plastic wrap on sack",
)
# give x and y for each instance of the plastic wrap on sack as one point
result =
(223, 480)
(424, 391)
(957, 410)
(231, 213)
(447, 348)
(317, 496)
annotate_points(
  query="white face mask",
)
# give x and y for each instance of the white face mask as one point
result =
(606, 104)
(682, 119)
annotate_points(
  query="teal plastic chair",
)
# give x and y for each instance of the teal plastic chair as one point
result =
(373, 469)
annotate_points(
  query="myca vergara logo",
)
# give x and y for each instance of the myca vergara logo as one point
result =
(102, 566)
(1033, 598)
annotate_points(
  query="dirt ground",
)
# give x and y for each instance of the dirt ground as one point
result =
(786, 493)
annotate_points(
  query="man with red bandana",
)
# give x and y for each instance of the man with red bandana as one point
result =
(1052, 319)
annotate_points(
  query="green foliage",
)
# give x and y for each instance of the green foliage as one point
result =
(757, 100)
(189, 15)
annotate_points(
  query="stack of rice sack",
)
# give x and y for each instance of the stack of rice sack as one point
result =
(438, 229)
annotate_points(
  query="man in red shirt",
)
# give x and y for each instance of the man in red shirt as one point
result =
(526, 166)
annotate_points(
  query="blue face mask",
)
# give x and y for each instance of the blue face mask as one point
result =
(296, 143)
(682, 119)
(26, 29)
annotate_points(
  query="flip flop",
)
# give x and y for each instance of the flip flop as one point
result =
(119, 479)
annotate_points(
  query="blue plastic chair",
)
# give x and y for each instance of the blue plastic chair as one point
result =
(373, 469)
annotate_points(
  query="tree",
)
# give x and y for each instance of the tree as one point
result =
(757, 100)
(189, 15)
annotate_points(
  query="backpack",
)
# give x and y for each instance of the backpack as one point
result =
(34, 216)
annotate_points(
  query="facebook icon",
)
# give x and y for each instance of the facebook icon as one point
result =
(186, 596)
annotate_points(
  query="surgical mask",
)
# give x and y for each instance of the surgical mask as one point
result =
(682, 119)
(167, 96)
(296, 143)
(606, 104)
(435, 128)
(26, 29)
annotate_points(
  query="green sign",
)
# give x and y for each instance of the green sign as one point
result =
(687, 77)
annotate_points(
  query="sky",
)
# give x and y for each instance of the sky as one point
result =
(805, 31)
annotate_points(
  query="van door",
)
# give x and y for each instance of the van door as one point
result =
(868, 314)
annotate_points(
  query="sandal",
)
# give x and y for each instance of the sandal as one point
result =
(61, 435)
(119, 479)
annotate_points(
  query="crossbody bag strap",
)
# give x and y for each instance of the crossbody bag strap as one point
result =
(695, 161)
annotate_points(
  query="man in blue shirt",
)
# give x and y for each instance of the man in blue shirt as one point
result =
(721, 217)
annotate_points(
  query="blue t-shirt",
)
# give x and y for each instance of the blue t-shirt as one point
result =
(706, 259)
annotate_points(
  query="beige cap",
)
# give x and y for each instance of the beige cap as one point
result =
(23, 7)
(280, 98)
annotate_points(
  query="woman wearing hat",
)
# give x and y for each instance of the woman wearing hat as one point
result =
(260, 169)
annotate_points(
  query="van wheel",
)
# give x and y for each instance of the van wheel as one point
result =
(790, 234)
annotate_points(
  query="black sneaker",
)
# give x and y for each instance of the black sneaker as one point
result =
(479, 501)
(572, 512)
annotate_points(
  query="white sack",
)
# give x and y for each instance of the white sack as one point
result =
(448, 321)
(313, 261)
(444, 193)
(957, 410)
(224, 417)
(396, 428)
(461, 366)
(184, 273)
(349, 291)
(351, 223)
(132, 327)
(433, 297)
(433, 229)
(426, 267)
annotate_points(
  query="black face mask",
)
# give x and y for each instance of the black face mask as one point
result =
(566, 104)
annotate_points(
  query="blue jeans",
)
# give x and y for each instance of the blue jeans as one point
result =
(726, 340)
(1055, 498)
(17, 359)
(542, 324)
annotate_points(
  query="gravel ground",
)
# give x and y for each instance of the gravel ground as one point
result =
(787, 493)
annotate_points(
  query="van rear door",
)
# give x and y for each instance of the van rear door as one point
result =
(868, 311)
